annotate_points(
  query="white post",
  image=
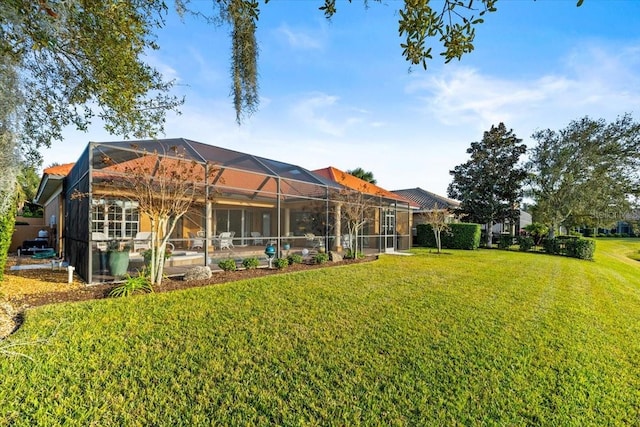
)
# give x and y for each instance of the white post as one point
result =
(70, 271)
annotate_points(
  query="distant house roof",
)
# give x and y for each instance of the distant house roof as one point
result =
(51, 181)
(354, 183)
(426, 199)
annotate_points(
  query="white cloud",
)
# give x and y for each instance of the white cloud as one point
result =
(317, 112)
(301, 39)
(593, 82)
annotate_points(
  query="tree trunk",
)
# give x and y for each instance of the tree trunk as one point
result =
(489, 234)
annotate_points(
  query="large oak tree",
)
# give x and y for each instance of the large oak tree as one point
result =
(586, 173)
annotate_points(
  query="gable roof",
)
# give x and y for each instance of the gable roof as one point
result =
(51, 181)
(426, 199)
(354, 183)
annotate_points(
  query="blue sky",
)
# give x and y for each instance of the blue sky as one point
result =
(340, 94)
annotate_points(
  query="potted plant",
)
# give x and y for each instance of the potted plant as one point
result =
(146, 255)
(118, 257)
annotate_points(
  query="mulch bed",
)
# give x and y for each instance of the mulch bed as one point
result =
(84, 293)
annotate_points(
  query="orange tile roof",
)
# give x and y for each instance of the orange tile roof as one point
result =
(62, 170)
(358, 184)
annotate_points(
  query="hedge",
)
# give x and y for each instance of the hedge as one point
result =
(571, 246)
(459, 236)
(7, 224)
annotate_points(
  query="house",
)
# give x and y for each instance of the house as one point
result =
(426, 201)
(49, 196)
(249, 200)
(392, 218)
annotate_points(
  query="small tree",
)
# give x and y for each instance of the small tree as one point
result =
(436, 217)
(164, 186)
(356, 207)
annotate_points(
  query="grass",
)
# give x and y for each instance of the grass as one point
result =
(466, 338)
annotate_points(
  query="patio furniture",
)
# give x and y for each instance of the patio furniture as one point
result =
(224, 240)
(315, 242)
(142, 241)
(195, 241)
(100, 240)
(346, 241)
(257, 238)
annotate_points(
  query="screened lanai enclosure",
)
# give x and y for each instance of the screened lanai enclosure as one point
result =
(237, 204)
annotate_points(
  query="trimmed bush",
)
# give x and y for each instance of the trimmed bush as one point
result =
(505, 241)
(294, 259)
(281, 263)
(227, 264)
(250, 263)
(7, 225)
(571, 246)
(321, 258)
(525, 243)
(459, 236)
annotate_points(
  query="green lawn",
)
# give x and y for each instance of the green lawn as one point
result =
(463, 338)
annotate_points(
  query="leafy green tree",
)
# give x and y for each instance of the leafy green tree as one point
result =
(489, 185)
(363, 175)
(72, 58)
(589, 169)
(28, 180)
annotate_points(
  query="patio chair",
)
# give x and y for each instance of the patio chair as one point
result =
(225, 240)
(195, 241)
(346, 241)
(142, 241)
(314, 241)
(100, 240)
(257, 238)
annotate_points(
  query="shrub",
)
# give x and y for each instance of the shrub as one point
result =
(250, 263)
(581, 248)
(571, 246)
(351, 254)
(537, 231)
(505, 241)
(459, 236)
(228, 264)
(321, 258)
(7, 226)
(294, 259)
(525, 243)
(463, 236)
(281, 263)
(131, 285)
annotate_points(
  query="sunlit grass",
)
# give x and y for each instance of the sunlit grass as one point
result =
(482, 337)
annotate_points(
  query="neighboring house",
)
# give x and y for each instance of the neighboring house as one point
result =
(513, 227)
(425, 201)
(253, 199)
(50, 197)
(626, 225)
(392, 219)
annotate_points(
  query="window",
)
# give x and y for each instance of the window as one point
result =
(117, 219)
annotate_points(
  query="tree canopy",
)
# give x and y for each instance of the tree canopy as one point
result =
(489, 184)
(363, 175)
(585, 172)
